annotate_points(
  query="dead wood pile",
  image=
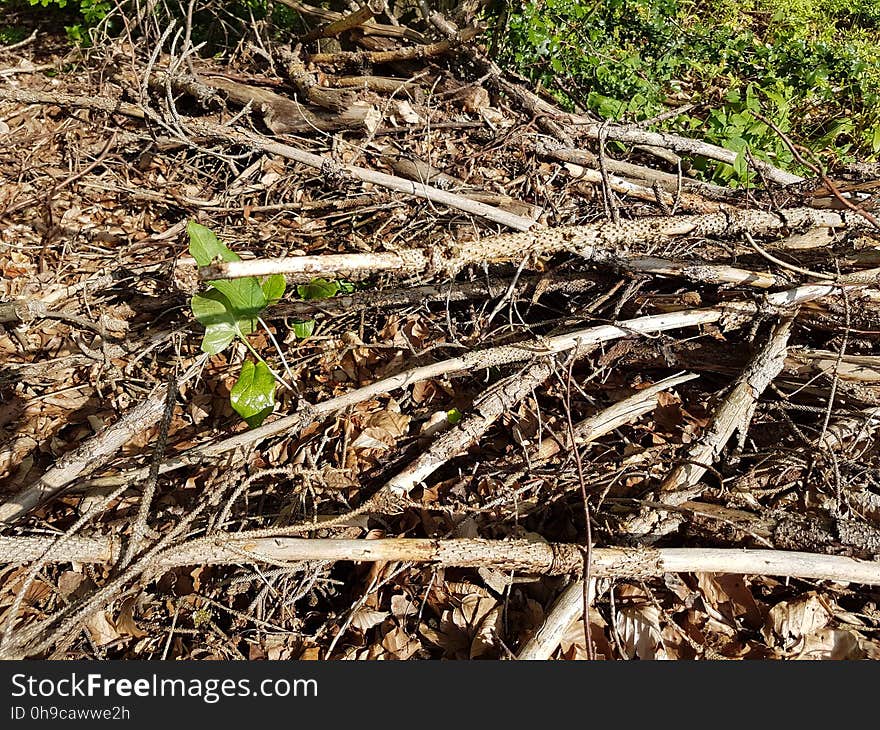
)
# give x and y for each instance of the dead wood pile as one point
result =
(567, 366)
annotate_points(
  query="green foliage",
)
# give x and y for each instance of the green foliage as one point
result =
(10, 34)
(734, 125)
(318, 289)
(812, 67)
(221, 321)
(304, 328)
(253, 395)
(229, 310)
(88, 12)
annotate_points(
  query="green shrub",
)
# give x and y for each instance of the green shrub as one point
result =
(812, 67)
(88, 12)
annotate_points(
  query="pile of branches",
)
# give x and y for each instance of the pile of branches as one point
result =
(562, 363)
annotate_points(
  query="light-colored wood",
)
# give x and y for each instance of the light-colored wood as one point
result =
(521, 555)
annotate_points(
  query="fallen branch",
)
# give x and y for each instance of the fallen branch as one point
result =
(522, 555)
(667, 181)
(96, 103)
(486, 409)
(369, 27)
(281, 114)
(614, 416)
(734, 414)
(808, 362)
(477, 359)
(334, 27)
(410, 53)
(473, 360)
(685, 201)
(93, 454)
(421, 295)
(328, 165)
(567, 608)
(601, 242)
(357, 266)
(687, 145)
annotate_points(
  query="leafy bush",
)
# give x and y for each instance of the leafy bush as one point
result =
(91, 12)
(814, 68)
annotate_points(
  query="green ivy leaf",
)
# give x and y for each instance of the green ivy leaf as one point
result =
(273, 288)
(245, 296)
(253, 395)
(204, 246)
(212, 309)
(318, 289)
(304, 329)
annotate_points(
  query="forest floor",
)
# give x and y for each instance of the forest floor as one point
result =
(523, 339)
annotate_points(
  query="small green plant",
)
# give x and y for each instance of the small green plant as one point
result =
(201, 617)
(230, 310)
(736, 126)
(453, 416)
(10, 34)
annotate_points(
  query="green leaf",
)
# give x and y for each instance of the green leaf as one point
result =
(304, 329)
(245, 295)
(273, 288)
(737, 144)
(253, 395)
(318, 289)
(453, 416)
(204, 246)
(213, 311)
(741, 164)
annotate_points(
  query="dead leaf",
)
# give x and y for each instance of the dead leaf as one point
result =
(572, 644)
(367, 440)
(423, 390)
(69, 582)
(402, 607)
(728, 596)
(364, 618)
(101, 629)
(125, 622)
(829, 643)
(468, 630)
(405, 113)
(790, 621)
(392, 423)
(638, 628)
(400, 644)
